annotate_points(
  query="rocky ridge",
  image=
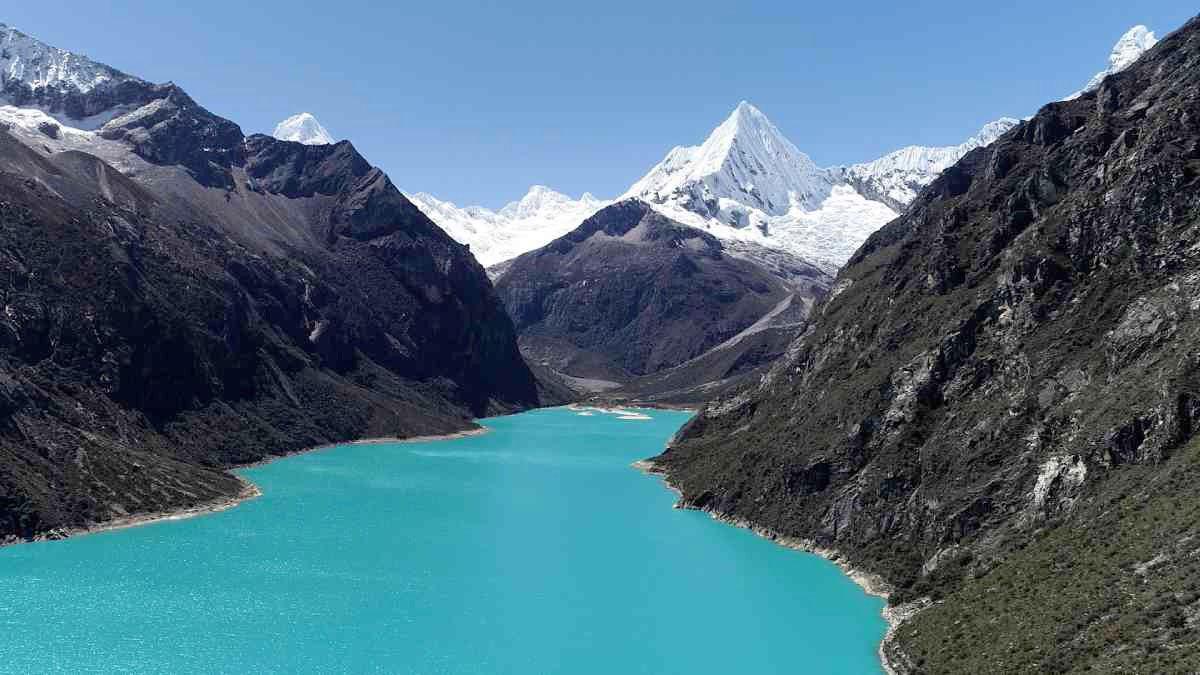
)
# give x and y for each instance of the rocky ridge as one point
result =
(181, 298)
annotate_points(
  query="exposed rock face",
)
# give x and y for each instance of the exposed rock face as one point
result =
(631, 292)
(1007, 364)
(216, 300)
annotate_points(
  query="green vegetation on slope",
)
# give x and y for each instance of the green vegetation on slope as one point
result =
(1116, 590)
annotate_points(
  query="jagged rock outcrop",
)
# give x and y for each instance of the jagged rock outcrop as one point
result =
(998, 402)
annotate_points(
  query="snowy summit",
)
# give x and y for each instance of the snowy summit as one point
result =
(303, 128)
(747, 182)
(1135, 42)
(39, 66)
(538, 218)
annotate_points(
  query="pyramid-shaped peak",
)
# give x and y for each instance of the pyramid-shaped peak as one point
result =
(746, 109)
(1135, 42)
(303, 128)
(746, 117)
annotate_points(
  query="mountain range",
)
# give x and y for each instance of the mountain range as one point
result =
(181, 298)
(594, 318)
(748, 183)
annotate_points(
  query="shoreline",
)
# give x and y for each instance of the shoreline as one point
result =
(374, 440)
(248, 491)
(871, 584)
(614, 408)
(633, 405)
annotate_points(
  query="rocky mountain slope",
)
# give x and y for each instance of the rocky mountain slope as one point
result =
(631, 292)
(997, 404)
(180, 298)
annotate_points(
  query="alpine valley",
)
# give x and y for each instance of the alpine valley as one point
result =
(966, 374)
(762, 200)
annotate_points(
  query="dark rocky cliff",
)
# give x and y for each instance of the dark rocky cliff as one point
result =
(217, 300)
(631, 292)
(997, 407)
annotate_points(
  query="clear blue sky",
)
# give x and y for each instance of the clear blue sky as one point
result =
(476, 101)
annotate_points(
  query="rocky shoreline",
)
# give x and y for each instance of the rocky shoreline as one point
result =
(872, 584)
(249, 491)
(379, 440)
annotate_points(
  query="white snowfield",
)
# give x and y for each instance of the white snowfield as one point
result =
(537, 219)
(303, 128)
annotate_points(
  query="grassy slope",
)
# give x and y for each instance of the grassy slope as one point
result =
(1125, 571)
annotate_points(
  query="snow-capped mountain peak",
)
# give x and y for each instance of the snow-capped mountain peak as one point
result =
(1129, 48)
(543, 201)
(897, 177)
(990, 132)
(303, 128)
(748, 182)
(533, 221)
(746, 161)
(26, 60)
(1135, 42)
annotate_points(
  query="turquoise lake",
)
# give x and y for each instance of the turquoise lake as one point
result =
(534, 548)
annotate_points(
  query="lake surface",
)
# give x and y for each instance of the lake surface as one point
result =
(531, 549)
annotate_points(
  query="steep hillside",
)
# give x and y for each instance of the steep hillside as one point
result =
(998, 403)
(180, 298)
